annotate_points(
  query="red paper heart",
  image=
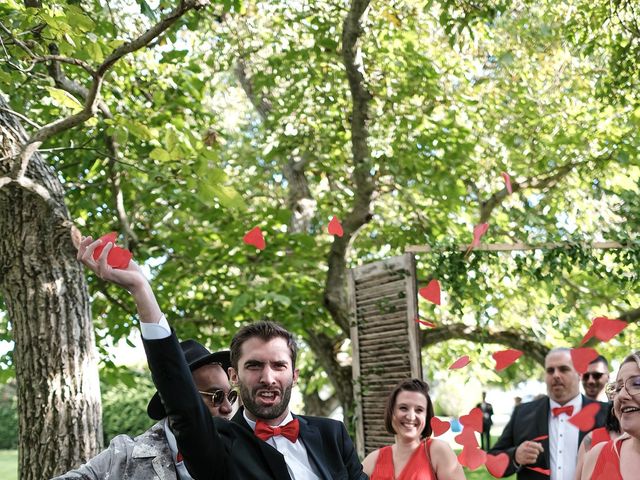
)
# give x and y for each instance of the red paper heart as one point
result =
(472, 457)
(431, 292)
(439, 426)
(463, 361)
(497, 464)
(254, 237)
(582, 357)
(543, 471)
(473, 420)
(118, 258)
(585, 419)
(478, 232)
(108, 238)
(507, 182)
(467, 438)
(504, 358)
(540, 438)
(604, 329)
(335, 228)
(426, 323)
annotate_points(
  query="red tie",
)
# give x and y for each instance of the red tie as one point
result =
(289, 431)
(558, 410)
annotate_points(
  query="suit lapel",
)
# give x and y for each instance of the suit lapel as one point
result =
(542, 420)
(313, 444)
(273, 458)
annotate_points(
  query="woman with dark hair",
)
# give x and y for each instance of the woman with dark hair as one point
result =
(619, 459)
(414, 455)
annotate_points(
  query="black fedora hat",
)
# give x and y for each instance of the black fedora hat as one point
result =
(196, 355)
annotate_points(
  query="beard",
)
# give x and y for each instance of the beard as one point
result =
(262, 411)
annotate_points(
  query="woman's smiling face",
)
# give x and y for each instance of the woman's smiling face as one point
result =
(625, 405)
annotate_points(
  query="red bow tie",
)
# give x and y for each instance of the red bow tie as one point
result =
(290, 431)
(558, 410)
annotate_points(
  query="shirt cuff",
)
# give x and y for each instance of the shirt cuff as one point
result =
(156, 331)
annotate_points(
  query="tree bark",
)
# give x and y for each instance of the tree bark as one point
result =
(46, 296)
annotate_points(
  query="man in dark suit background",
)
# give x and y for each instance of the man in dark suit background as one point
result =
(539, 436)
(264, 440)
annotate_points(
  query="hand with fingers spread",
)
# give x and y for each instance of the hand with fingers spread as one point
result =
(131, 278)
(527, 452)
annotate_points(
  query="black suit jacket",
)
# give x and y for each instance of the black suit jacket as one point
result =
(528, 421)
(216, 449)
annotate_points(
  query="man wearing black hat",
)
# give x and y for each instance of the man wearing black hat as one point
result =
(154, 454)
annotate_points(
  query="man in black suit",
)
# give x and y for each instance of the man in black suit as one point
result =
(264, 440)
(539, 436)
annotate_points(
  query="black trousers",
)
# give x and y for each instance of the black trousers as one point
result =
(485, 437)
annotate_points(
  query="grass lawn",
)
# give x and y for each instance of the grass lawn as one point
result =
(9, 464)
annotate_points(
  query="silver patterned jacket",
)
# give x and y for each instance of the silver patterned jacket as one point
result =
(146, 457)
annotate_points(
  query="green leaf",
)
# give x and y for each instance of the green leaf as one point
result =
(138, 129)
(77, 18)
(62, 98)
(228, 197)
(160, 154)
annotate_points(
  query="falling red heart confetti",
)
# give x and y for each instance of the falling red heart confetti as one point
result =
(582, 357)
(543, 471)
(426, 323)
(431, 292)
(467, 438)
(254, 237)
(507, 182)
(335, 228)
(504, 358)
(478, 232)
(118, 258)
(472, 457)
(540, 438)
(439, 426)
(463, 361)
(497, 464)
(599, 435)
(473, 420)
(585, 419)
(604, 329)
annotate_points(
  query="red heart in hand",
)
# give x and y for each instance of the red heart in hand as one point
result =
(467, 438)
(585, 419)
(504, 358)
(472, 457)
(497, 464)
(604, 329)
(431, 292)
(582, 357)
(118, 257)
(335, 228)
(254, 237)
(543, 471)
(473, 420)
(108, 238)
(463, 361)
(438, 426)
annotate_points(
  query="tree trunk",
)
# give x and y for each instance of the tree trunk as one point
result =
(45, 292)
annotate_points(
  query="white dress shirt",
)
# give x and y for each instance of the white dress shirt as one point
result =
(563, 441)
(295, 454)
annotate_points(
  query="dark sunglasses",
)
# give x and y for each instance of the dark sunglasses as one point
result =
(218, 396)
(596, 375)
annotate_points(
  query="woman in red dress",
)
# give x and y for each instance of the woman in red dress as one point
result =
(619, 459)
(414, 455)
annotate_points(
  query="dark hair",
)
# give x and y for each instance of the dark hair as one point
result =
(265, 331)
(411, 385)
(611, 423)
(599, 359)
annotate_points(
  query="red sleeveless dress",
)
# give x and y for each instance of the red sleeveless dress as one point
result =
(608, 463)
(417, 468)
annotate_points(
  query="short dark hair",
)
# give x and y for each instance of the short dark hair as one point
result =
(264, 330)
(599, 359)
(410, 385)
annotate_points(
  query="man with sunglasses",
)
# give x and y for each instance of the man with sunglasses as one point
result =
(595, 379)
(154, 454)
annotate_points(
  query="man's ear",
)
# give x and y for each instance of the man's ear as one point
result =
(233, 376)
(296, 373)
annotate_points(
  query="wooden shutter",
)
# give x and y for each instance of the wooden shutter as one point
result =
(385, 341)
